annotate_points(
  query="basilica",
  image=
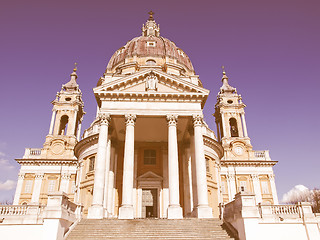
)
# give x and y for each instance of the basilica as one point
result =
(149, 166)
(148, 153)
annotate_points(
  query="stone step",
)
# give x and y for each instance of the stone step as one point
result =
(200, 229)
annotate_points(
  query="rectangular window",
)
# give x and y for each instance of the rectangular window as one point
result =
(265, 187)
(51, 186)
(28, 186)
(91, 163)
(150, 157)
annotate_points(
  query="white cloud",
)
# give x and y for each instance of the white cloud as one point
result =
(5, 163)
(7, 185)
(297, 193)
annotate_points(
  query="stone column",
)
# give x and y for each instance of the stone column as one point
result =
(256, 187)
(96, 209)
(18, 189)
(52, 121)
(164, 152)
(218, 179)
(224, 125)
(273, 189)
(37, 188)
(79, 130)
(174, 209)
(239, 124)
(231, 186)
(218, 131)
(202, 209)
(245, 131)
(187, 182)
(126, 210)
(106, 179)
(65, 179)
(111, 181)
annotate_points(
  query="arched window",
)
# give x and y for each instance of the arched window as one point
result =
(63, 125)
(151, 62)
(233, 127)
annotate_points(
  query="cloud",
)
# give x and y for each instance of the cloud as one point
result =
(7, 185)
(296, 194)
(5, 163)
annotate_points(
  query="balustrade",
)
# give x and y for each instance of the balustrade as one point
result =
(285, 209)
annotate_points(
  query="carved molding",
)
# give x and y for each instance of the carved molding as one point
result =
(130, 119)
(39, 176)
(104, 118)
(255, 177)
(197, 120)
(66, 176)
(230, 177)
(21, 176)
(172, 119)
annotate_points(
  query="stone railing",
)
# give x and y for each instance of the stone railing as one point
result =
(21, 214)
(91, 131)
(261, 155)
(32, 153)
(13, 210)
(280, 211)
(264, 221)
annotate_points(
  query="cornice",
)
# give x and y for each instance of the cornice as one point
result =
(38, 162)
(84, 142)
(242, 163)
(214, 145)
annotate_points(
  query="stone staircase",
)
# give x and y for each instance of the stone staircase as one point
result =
(150, 229)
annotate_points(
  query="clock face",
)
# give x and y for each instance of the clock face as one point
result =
(238, 150)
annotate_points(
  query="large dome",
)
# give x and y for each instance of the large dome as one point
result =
(150, 49)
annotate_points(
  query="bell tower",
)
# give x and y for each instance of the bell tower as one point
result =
(65, 126)
(229, 115)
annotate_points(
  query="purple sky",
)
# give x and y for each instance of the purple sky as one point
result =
(271, 50)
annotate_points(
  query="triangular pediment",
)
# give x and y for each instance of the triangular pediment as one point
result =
(150, 81)
(149, 176)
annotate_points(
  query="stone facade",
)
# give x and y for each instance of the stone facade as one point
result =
(149, 152)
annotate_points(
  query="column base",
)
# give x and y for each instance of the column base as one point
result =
(95, 212)
(175, 212)
(126, 212)
(202, 212)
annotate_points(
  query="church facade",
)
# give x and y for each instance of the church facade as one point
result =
(148, 153)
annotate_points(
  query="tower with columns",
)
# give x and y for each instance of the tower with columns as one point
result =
(53, 167)
(148, 153)
(242, 169)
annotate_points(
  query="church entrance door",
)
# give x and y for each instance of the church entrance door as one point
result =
(149, 203)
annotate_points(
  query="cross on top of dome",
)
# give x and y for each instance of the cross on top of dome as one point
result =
(150, 28)
(151, 15)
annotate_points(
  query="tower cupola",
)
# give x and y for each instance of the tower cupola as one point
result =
(229, 114)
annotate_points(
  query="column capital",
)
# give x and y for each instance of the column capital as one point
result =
(130, 119)
(271, 176)
(230, 176)
(172, 119)
(197, 120)
(66, 176)
(255, 176)
(21, 175)
(104, 118)
(39, 175)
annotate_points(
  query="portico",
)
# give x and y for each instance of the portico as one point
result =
(150, 154)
